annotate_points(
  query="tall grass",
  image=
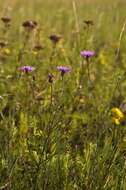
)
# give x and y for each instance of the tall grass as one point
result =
(61, 133)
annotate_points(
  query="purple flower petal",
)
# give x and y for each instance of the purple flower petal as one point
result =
(64, 69)
(27, 68)
(87, 54)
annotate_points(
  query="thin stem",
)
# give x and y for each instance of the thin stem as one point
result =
(76, 21)
(76, 17)
(53, 53)
(120, 38)
(51, 93)
(118, 83)
(88, 70)
(62, 83)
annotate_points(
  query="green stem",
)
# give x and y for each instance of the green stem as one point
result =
(51, 94)
(88, 71)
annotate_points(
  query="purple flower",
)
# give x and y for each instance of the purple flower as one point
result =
(87, 54)
(63, 69)
(27, 69)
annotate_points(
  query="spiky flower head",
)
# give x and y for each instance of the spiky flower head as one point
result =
(30, 24)
(55, 38)
(87, 54)
(38, 47)
(88, 22)
(27, 69)
(3, 44)
(63, 69)
(50, 77)
(6, 20)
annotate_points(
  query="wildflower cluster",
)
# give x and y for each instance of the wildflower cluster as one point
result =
(117, 116)
(58, 89)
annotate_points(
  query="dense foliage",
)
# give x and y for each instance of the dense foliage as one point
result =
(63, 95)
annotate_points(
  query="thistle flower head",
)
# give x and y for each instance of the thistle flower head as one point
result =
(87, 54)
(38, 47)
(3, 44)
(55, 38)
(88, 22)
(26, 69)
(50, 77)
(6, 20)
(63, 69)
(30, 24)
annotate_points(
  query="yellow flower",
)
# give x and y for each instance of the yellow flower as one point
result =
(117, 113)
(117, 116)
(7, 51)
(102, 58)
(35, 53)
(115, 120)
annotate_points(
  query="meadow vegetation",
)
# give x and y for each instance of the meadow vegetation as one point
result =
(63, 95)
